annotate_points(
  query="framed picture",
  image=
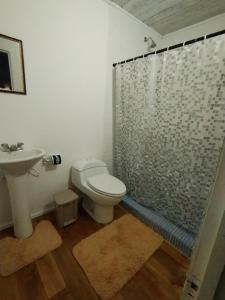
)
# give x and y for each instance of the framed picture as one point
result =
(5, 76)
(12, 73)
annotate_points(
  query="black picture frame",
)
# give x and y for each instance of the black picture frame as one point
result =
(6, 64)
(5, 74)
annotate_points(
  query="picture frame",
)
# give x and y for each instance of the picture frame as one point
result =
(12, 70)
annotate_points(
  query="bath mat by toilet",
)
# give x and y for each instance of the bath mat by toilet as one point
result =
(112, 256)
(17, 253)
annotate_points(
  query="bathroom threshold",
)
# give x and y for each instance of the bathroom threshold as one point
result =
(162, 277)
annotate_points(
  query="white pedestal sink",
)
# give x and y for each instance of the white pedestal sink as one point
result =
(15, 166)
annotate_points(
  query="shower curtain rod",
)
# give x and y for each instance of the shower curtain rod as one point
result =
(201, 38)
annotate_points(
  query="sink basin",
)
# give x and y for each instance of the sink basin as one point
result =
(15, 166)
(19, 162)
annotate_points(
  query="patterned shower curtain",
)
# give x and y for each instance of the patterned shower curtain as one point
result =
(169, 128)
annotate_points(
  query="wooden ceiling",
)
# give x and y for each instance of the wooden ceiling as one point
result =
(166, 16)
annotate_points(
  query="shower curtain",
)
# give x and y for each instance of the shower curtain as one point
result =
(169, 128)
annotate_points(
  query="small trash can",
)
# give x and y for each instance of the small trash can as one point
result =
(66, 207)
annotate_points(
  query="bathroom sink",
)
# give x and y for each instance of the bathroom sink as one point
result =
(15, 166)
(19, 162)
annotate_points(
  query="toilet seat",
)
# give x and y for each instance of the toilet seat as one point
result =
(107, 185)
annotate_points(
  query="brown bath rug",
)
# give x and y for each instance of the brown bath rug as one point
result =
(17, 253)
(112, 256)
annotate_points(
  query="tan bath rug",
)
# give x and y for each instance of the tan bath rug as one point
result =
(17, 253)
(112, 256)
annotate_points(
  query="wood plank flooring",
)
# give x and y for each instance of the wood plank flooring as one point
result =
(58, 276)
(50, 275)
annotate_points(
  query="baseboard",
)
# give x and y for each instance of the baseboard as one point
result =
(5, 226)
(42, 212)
(33, 216)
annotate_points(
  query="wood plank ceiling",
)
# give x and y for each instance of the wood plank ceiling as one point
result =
(166, 16)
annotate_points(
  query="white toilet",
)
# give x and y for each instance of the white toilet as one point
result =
(104, 191)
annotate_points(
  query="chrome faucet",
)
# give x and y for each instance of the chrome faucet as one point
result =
(10, 148)
(19, 146)
(5, 147)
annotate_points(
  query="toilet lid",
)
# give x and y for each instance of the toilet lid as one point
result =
(107, 184)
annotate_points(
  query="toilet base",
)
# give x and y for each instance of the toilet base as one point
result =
(100, 214)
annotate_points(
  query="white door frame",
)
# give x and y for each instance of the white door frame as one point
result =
(208, 257)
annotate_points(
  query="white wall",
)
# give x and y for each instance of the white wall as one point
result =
(126, 35)
(69, 47)
(206, 27)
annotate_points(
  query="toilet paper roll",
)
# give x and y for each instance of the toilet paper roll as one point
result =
(56, 159)
(53, 160)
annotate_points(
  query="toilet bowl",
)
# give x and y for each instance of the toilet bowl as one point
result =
(103, 190)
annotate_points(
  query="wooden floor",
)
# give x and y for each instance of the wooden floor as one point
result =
(58, 276)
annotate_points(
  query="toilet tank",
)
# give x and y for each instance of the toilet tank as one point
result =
(85, 168)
